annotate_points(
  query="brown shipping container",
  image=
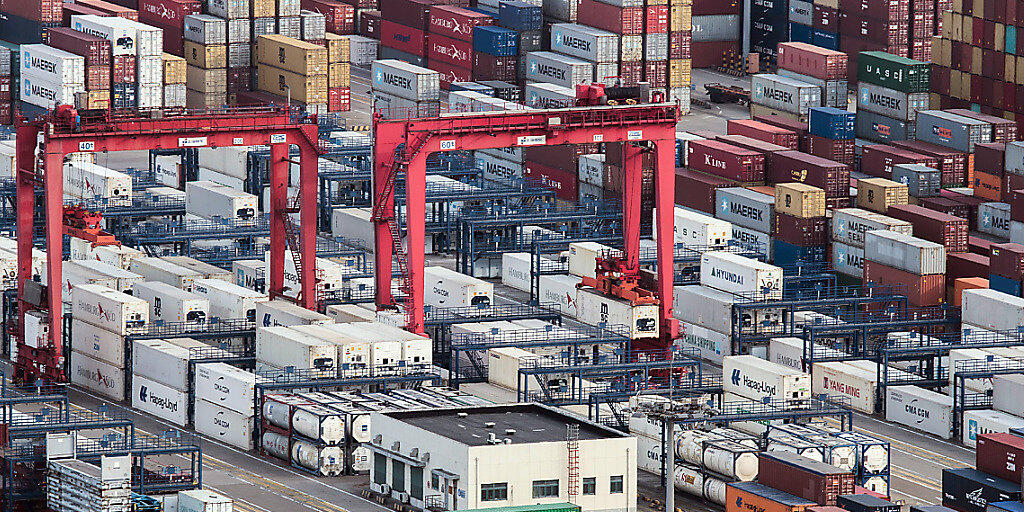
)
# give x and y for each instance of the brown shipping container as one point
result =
(122, 69)
(96, 50)
(805, 232)
(811, 60)
(762, 131)
(563, 156)
(1017, 205)
(972, 203)
(797, 127)
(721, 159)
(990, 158)
(304, 88)
(1011, 182)
(742, 141)
(213, 81)
(369, 24)
(841, 151)
(46, 11)
(878, 159)
(1001, 455)
(208, 56)
(828, 175)
(938, 227)
(697, 190)
(97, 77)
(751, 496)
(979, 245)
(803, 477)
(69, 10)
(174, 69)
(1007, 260)
(1003, 130)
(292, 55)
(951, 162)
(921, 291)
(111, 9)
(620, 20)
(411, 13)
(966, 264)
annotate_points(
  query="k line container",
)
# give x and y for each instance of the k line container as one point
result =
(725, 160)
(736, 274)
(784, 93)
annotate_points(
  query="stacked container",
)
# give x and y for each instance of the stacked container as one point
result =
(450, 45)
(848, 228)
(206, 54)
(878, 159)
(815, 65)
(402, 90)
(339, 84)
(6, 94)
(101, 317)
(889, 78)
(599, 47)
(913, 264)
(878, 194)
(526, 19)
(96, 52)
(800, 230)
(50, 76)
(403, 30)
(778, 95)
(1006, 268)
(175, 78)
(831, 133)
(292, 68)
(169, 15)
(73, 484)
(941, 228)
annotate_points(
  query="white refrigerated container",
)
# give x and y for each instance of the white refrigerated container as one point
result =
(202, 500)
(249, 274)
(206, 270)
(754, 378)
(280, 312)
(583, 258)
(169, 303)
(516, 270)
(283, 347)
(157, 269)
(640, 320)
(96, 375)
(98, 343)
(503, 365)
(212, 200)
(696, 229)
(445, 288)
(225, 385)
(160, 400)
(224, 425)
(710, 345)
(353, 354)
(920, 408)
(342, 313)
(228, 300)
(735, 274)
(845, 380)
(83, 180)
(978, 422)
(992, 310)
(162, 362)
(77, 272)
(561, 290)
(109, 309)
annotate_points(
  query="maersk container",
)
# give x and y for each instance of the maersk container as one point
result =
(756, 379)
(226, 386)
(545, 95)
(558, 69)
(832, 123)
(172, 304)
(850, 224)
(109, 309)
(785, 94)
(405, 80)
(752, 238)
(56, 66)
(162, 362)
(587, 43)
(212, 200)
(905, 252)
(83, 180)
(744, 207)
(992, 310)
(45, 93)
(205, 29)
(879, 128)
(281, 312)
(833, 92)
(156, 269)
(994, 219)
(696, 229)
(160, 400)
(952, 131)
(894, 72)
(978, 422)
(445, 288)
(735, 274)
(228, 300)
(848, 260)
(890, 103)
(596, 309)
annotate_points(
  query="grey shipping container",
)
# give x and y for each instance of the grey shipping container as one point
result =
(784, 93)
(545, 95)
(879, 128)
(558, 69)
(205, 29)
(263, 26)
(921, 180)
(228, 9)
(405, 80)
(631, 48)
(656, 46)
(952, 131)
(605, 70)
(239, 30)
(801, 12)
(397, 107)
(587, 43)
(745, 208)
(564, 10)
(314, 25)
(889, 102)
(239, 55)
(716, 27)
(833, 92)
(905, 252)
(290, 26)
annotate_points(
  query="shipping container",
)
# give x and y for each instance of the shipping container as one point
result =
(952, 131)
(97, 376)
(799, 200)
(1003, 130)
(812, 60)
(878, 194)
(793, 166)
(110, 309)
(292, 55)
(757, 379)
(172, 304)
(762, 131)
(224, 425)
(803, 477)
(879, 128)
(891, 103)
(905, 252)
(970, 490)
(588, 43)
(921, 290)
(620, 20)
(832, 123)
(867, 503)
(226, 386)
(405, 80)
(943, 229)
(919, 408)
(784, 93)
(894, 72)
(921, 180)
(558, 69)
(844, 380)
(598, 309)
(994, 219)
(745, 207)
(696, 229)
(727, 161)
(736, 274)
(878, 159)
(96, 50)
(205, 29)
(745, 496)
(98, 343)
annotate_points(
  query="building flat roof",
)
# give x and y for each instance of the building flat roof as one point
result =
(533, 423)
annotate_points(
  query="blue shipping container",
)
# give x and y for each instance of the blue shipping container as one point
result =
(800, 33)
(826, 39)
(23, 30)
(785, 254)
(471, 86)
(1004, 284)
(1011, 39)
(832, 123)
(520, 16)
(497, 41)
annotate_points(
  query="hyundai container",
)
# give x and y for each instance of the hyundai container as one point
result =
(745, 207)
(756, 379)
(97, 376)
(109, 309)
(280, 312)
(784, 93)
(809, 479)
(952, 131)
(736, 274)
(162, 401)
(557, 69)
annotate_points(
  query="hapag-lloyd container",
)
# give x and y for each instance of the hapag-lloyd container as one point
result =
(558, 69)
(809, 479)
(750, 496)
(754, 378)
(850, 224)
(784, 93)
(745, 207)
(160, 400)
(736, 274)
(952, 131)
(456, 22)
(889, 102)
(585, 42)
(405, 80)
(920, 408)
(812, 60)
(905, 252)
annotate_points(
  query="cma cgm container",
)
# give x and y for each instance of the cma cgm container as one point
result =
(405, 80)
(750, 496)
(1001, 455)
(894, 72)
(558, 69)
(762, 131)
(785, 94)
(952, 131)
(724, 160)
(943, 229)
(754, 378)
(920, 408)
(889, 102)
(810, 479)
(811, 60)
(969, 490)
(828, 175)
(736, 274)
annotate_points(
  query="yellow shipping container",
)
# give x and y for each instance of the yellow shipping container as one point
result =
(290, 54)
(174, 69)
(799, 200)
(878, 194)
(304, 88)
(339, 74)
(966, 30)
(208, 56)
(338, 48)
(679, 71)
(262, 8)
(206, 80)
(196, 99)
(680, 17)
(958, 6)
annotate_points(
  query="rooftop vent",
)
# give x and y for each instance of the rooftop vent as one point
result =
(462, 414)
(489, 424)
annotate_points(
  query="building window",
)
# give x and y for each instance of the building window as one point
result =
(397, 475)
(380, 469)
(545, 488)
(416, 482)
(616, 485)
(494, 492)
(434, 482)
(589, 486)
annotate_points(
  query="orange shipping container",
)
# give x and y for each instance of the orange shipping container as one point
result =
(966, 283)
(754, 497)
(986, 186)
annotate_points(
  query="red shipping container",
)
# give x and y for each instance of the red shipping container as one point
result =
(711, 54)
(338, 99)
(938, 227)
(797, 127)
(1007, 260)
(826, 18)
(456, 22)
(1001, 455)
(451, 51)
(1011, 182)
(727, 161)
(828, 175)
(655, 72)
(402, 37)
(362, 4)
(972, 203)
(123, 69)
(875, 30)
(697, 190)
(989, 158)
(841, 151)
(450, 73)
(561, 181)
(46, 11)
(951, 162)
(800, 231)
(762, 131)
(97, 77)
(411, 13)
(489, 67)
(881, 9)
(811, 60)
(5, 88)
(1017, 205)
(340, 18)
(96, 50)
(168, 13)
(966, 264)
(369, 24)
(631, 73)
(947, 206)
(657, 19)
(111, 9)
(878, 159)
(71, 9)
(1003, 130)
(803, 477)
(708, 7)
(679, 42)
(921, 291)
(620, 20)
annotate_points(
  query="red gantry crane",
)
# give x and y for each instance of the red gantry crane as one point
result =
(401, 150)
(42, 146)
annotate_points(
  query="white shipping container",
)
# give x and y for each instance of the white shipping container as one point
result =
(745, 208)
(848, 260)
(920, 408)
(850, 224)
(98, 376)
(703, 306)
(978, 422)
(91, 181)
(55, 66)
(202, 500)
(516, 271)
(205, 29)
(283, 347)
(545, 95)
(583, 257)
(1007, 391)
(992, 310)
(226, 386)
(162, 401)
(790, 352)
(109, 309)
(353, 225)
(280, 312)
(591, 169)
(212, 200)
(174, 95)
(162, 362)
(840, 379)
(80, 270)
(149, 72)
(785, 94)
(736, 274)
(503, 365)
(228, 160)
(905, 252)
(156, 269)
(224, 425)
(98, 343)
(498, 168)
(587, 43)
(446, 288)
(405, 80)
(696, 229)
(994, 219)
(755, 378)
(595, 309)
(228, 300)
(558, 69)
(172, 304)
(121, 35)
(711, 345)
(561, 290)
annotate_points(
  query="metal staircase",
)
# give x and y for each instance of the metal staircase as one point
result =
(572, 444)
(291, 236)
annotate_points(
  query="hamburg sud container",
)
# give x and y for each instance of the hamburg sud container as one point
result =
(894, 72)
(889, 102)
(1001, 455)
(754, 378)
(937, 227)
(766, 132)
(952, 131)
(456, 22)
(110, 309)
(736, 274)
(904, 252)
(810, 479)
(785, 94)
(923, 409)
(724, 160)
(879, 128)
(558, 69)
(970, 490)
(587, 43)
(745, 208)
(750, 497)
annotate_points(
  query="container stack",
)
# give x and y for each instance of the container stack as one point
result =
(450, 45)
(289, 21)
(72, 484)
(878, 159)
(1006, 268)
(288, 67)
(149, 64)
(776, 95)
(98, 348)
(937, 227)
(495, 54)
(831, 133)
(339, 75)
(50, 76)
(714, 35)
(810, 479)
(402, 90)
(815, 65)
(224, 391)
(912, 264)
(879, 194)
(877, 26)
(96, 52)
(169, 15)
(656, 70)
(800, 231)
(159, 379)
(403, 30)
(175, 78)
(894, 87)
(122, 62)
(598, 47)
(7, 95)
(999, 448)
(527, 20)
(769, 26)
(680, 63)
(339, 18)
(206, 55)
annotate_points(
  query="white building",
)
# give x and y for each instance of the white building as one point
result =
(501, 455)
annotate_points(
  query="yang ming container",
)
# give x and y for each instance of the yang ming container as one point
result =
(785, 94)
(889, 102)
(952, 131)
(405, 80)
(727, 161)
(803, 477)
(587, 43)
(905, 252)
(745, 207)
(558, 69)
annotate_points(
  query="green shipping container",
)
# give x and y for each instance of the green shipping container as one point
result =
(894, 72)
